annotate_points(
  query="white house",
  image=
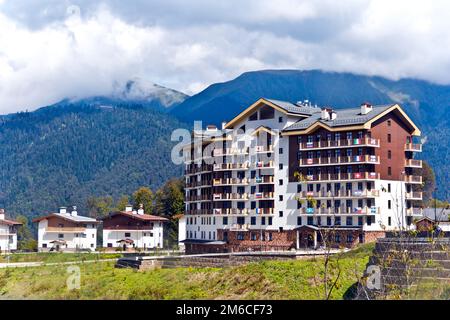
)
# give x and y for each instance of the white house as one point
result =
(131, 229)
(8, 233)
(66, 231)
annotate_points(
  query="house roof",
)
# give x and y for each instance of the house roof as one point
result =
(10, 222)
(68, 217)
(143, 217)
(294, 108)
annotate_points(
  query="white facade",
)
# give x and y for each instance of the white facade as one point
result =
(8, 234)
(146, 239)
(76, 233)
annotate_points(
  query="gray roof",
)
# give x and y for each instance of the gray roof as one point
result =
(294, 108)
(345, 117)
(75, 218)
(441, 214)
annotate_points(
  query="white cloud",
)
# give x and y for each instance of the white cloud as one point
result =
(48, 56)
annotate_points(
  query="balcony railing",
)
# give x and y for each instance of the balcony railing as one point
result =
(230, 151)
(413, 179)
(341, 210)
(263, 149)
(339, 143)
(230, 211)
(203, 197)
(339, 160)
(262, 195)
(263, 179)
(413, 163)
(231, 166)
(195, 169)
(342, 176)
(414, 195)
(414, 147)
(340, 194)
(199, 211)
(240, 227)
(263, 165)
(414, 211)
(64, 230)
(262, 211)
(230, 181)
(230, 196)
(195, 184)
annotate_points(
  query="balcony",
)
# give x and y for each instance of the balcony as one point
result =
(263, 180)
(264, 149)
(340, 194)
(230, 196)
(198, 184)
(413, 179)
(230, 181)
(341, 176)
(230, 152)
(324, 144)
(414, 212)
(263, 196)
(413, 147)
(196, 170)
(199, 211)
(240, 227)
(263, 165)
(413, 163)
(65, 230)
(230, 211)
(231, 166)
(341, 210)
(414, 196)
(262, 211)
(339, 160)
(198, 198)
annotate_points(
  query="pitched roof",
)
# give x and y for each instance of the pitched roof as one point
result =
(143, 217)
(10, 222)
(69, 217)
(294, 108)
(345, 117)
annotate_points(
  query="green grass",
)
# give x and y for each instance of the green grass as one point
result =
(56, 257)
(296, 279)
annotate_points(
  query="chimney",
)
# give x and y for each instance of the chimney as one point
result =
(134, 212)
(141, 209)
(74, 211)
(128, 208)
(224, 123)
(2, 214)
(63, 210)
(366, 108)
(324, 114)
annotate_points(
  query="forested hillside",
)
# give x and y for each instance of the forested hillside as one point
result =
(64, 154)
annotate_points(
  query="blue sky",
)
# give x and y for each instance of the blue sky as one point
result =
(52, 49)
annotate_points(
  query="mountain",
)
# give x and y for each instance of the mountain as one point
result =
(65, 153)
(428, 104)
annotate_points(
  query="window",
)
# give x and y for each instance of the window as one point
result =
(361, 238)
(92, 245)
(61, 236)
(281, 166)
(408, 220)
(389, 154)
(127, 235)
(253, 117)
(44, 245)
(299, 188)
(240, 220)
(225, 220)
(389, 171)
(253, 221)
(389, 187)
(337, 238)
(389, 221)
(280, 214)
(253, 236)
(349, 238)
(389, 204)
(310, 221)
(337, 221)
(270, 236)
(270, 221)
(328, 221)
(280, 229)
(280, 119)
(299, 221)
(109, 245)
(280, 151)
(263, 221)
(349, 221)
(280, 182)
(349, 136)
(281, 197)
(389, 123)
(360, 221)
(266, 112)
(240, 236)
(369, 220)
(389, 138)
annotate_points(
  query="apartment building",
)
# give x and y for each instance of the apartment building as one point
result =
(66, 231)
(282, 176)
(8, 233)
(132, 229)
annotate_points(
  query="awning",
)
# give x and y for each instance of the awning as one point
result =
(126, 241)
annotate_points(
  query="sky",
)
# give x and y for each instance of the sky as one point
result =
(56, 49)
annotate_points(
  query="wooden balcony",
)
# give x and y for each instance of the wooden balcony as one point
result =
(230, 211)
(240, 227)
(340, 194)
(413, 147)
(263, 165)
(263, 196)
(65, 230)
(230, 181)
(198, 184)
(230, 196)
(231, 166)
(329, 144)
(339, 160)
(194, 169)
(230, 152)
(413, 163)
(413, 179)
(198, 198)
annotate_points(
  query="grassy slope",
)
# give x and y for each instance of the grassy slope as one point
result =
(298, 279)
(57, 257)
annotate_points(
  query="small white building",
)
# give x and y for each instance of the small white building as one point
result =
(8, 233)
(132, 229)
(66, 231)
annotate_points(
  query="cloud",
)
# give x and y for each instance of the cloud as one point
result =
(49, 50)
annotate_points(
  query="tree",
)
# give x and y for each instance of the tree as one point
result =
(429, 181)
(25, 238)
(122, 203)
(143, 196)
(99, 207)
